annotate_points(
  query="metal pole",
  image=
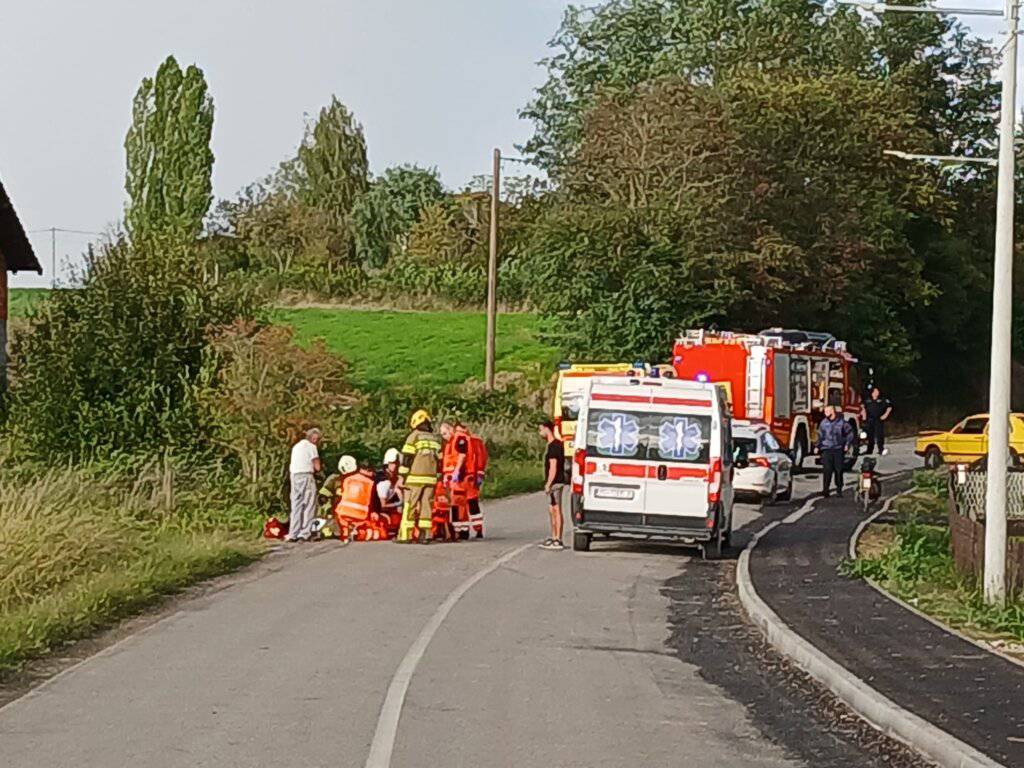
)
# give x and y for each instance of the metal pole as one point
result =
(492, 274)
(1002, 296)
(53, 257)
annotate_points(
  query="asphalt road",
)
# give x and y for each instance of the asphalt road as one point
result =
(546, 659)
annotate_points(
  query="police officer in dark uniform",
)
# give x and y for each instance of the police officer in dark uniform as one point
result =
(874, 412)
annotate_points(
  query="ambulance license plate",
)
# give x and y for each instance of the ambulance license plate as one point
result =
(613, 493)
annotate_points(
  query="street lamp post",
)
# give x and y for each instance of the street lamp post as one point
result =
(1002, 312)
(1002, 291)
(492, 275)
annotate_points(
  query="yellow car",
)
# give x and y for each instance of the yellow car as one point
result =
(967, 442)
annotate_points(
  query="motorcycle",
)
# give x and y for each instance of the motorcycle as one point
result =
(869, 487)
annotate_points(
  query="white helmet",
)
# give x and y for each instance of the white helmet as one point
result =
(347, 465)
(391, 455)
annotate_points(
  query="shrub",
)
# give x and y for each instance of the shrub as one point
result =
(111, 367)
(261, 391)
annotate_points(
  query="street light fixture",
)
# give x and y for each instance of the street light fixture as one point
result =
(872, 7)
(1002, 294)
(943, 160)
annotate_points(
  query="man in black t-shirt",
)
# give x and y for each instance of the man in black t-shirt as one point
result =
(554, 483)
(874, 411)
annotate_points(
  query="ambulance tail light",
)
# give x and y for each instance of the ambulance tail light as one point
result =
(715, 482)
(579, 466)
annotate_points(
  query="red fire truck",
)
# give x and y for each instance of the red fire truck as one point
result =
(782, 377)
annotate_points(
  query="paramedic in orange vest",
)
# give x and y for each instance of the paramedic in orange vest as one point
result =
(356, 508)
(478, 455)
(454, 468)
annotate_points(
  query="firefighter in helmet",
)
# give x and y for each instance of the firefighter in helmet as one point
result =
(421, 464)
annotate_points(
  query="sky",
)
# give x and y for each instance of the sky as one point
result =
(434, 82)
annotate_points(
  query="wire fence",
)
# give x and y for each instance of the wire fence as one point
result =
(968, 492)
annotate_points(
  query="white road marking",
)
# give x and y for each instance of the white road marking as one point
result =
(794, 517)
(390, 712)
(766, 530)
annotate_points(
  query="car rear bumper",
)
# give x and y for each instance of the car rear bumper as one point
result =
(640, 524)
(754, 481)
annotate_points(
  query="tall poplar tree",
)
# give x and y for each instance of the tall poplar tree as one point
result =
(333, 159)
(169, 160)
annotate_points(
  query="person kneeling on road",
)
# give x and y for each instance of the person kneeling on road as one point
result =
(388, 494)
(356, 508)
(835, 437)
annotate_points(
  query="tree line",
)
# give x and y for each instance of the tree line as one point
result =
(704, 162)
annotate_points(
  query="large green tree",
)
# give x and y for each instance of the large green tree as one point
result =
(759, 201)
(750, 132)
(332, 157)
(169, 160)
(383, 217)
(613, 47)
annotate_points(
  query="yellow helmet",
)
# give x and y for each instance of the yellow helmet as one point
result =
(418, 418)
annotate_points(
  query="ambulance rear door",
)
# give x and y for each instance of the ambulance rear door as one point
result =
(681, 430)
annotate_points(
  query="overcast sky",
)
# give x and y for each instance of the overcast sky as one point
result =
(434, 82)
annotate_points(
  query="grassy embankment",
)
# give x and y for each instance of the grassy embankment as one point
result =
(912, 560)
(436, 353)
(81, 549)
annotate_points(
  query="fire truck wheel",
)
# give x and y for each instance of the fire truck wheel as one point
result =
(933, 457)
(580, 541)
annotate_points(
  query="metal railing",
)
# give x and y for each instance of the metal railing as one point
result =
(967, 491)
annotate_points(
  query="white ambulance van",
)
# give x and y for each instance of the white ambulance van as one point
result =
(653, 459)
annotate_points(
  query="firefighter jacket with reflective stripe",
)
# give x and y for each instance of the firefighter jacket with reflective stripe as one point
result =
(356, 499)
(421, 458)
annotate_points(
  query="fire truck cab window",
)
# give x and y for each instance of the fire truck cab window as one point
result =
(835, 383)
(819, 384)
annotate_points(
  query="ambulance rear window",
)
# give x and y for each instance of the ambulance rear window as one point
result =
(663, 437)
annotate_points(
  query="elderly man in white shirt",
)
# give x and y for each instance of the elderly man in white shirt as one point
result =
(305, 464)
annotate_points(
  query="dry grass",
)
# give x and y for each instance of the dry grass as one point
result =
(76, 555)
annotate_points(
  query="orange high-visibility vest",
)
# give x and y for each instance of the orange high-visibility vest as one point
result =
(478, 450)
(450, 455)
(356, 497)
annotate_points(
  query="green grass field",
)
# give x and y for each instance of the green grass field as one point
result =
(22, 300)
(427, 348)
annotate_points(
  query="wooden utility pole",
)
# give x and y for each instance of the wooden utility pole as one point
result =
(492, 274)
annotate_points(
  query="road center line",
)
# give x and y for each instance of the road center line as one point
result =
(794, 517)
(390, 712)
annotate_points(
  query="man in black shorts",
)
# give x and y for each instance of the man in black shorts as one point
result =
(554, 483)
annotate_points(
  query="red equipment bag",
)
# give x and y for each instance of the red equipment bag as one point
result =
(275, 529)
